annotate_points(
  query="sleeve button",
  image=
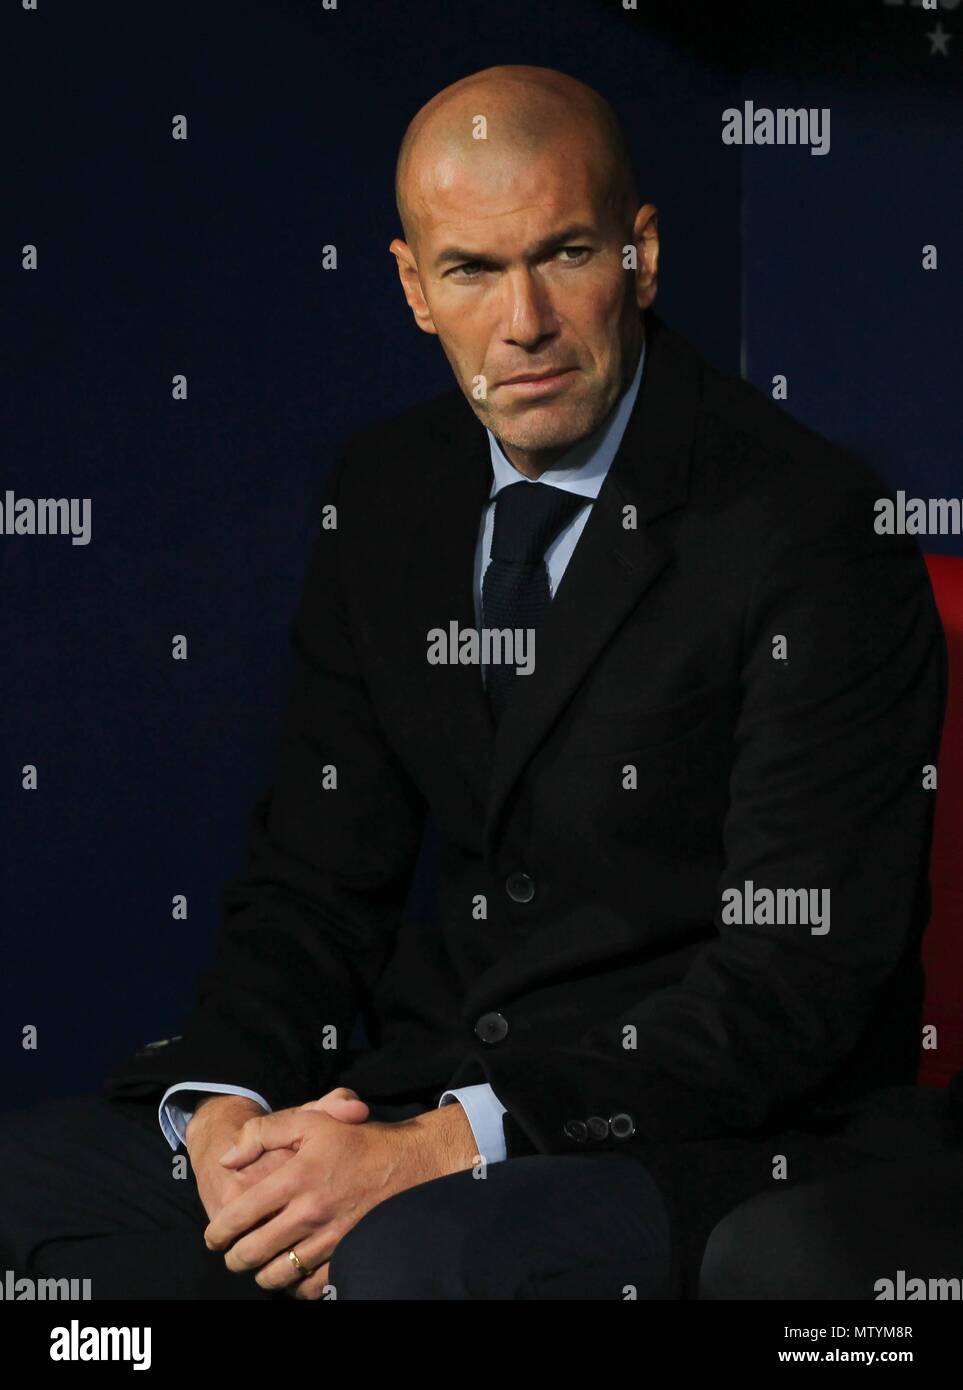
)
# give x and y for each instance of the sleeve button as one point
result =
(622, 1125)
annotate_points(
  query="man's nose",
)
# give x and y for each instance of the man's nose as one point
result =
(529, 317)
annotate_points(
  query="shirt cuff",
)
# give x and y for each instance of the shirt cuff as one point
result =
(484, 1111)
(174, 1120)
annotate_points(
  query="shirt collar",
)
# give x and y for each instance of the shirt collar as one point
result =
(582, 468)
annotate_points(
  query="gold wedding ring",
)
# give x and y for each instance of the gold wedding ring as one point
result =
(302, 1269)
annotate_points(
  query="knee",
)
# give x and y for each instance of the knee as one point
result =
(399, 1250)
(767, 1248)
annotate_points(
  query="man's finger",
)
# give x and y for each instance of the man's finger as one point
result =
(348, 1108)
(313, 1286)
(261, 1133)
(265, 1199)
(266, 1247)
(313, 1248)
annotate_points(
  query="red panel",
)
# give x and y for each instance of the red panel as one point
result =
(943, 942)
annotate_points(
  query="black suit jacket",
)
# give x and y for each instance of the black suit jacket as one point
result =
(614, 988)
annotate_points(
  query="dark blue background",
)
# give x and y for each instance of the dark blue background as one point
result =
(203, 257)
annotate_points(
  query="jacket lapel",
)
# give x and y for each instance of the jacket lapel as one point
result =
(439, 589)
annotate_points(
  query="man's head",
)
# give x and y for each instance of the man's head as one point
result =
(517, 199)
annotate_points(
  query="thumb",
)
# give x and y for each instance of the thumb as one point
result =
(341, 1104)
(350, 1112)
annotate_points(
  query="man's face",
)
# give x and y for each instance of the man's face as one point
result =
(519, 263)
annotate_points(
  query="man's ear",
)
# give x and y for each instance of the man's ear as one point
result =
(645, 235)
(411, 284)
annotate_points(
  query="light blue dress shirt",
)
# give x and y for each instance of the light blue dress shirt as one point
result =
(581, 470)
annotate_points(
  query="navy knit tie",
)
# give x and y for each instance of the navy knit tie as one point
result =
(515, 589)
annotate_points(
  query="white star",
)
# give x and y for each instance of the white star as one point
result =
(939, 40)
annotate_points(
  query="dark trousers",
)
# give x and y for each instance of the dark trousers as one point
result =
(845, 1237)
(87, 1191)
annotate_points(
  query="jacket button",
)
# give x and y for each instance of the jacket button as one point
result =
(491, 1028)
(520, 887)
(597, 1127)
(575, 1129)
(622, 1125)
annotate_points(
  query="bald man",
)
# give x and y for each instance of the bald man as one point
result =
(627, 634)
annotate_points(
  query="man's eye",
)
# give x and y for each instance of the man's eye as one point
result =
(471, 270)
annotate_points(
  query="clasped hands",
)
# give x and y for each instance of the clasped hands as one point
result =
(300, 1179)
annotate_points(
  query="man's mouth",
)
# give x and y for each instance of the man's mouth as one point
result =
(535, 383)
